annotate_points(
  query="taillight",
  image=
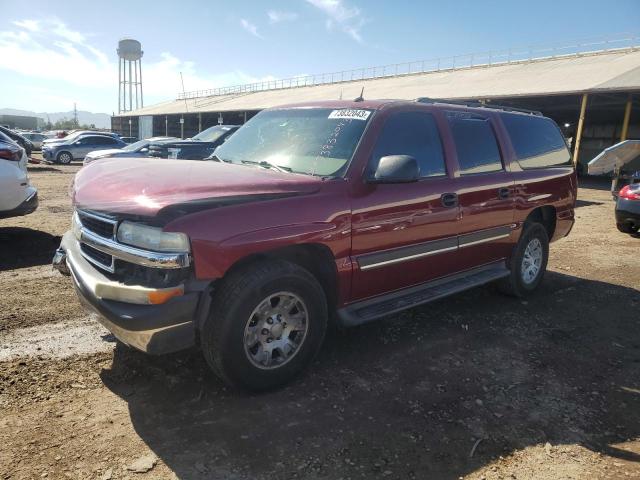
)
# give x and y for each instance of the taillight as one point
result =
(630, 192)
(9, 154)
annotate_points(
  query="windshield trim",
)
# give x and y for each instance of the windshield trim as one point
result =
(347, 166)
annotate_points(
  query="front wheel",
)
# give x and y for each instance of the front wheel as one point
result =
(65, 158)
(266, 324)
(626, 228)
(528, 262)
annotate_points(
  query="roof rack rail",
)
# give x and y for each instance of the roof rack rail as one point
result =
(479, 105)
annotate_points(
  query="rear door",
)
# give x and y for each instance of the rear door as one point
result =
(97, 142)
(484, 187)
(405, 234)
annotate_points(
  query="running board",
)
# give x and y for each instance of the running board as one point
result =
(374, 308)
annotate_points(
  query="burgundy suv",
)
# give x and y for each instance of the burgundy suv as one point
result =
(340, 210)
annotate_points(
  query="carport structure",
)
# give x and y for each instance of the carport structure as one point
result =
(590, 89)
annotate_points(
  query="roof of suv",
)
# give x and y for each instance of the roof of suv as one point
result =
(379, 104)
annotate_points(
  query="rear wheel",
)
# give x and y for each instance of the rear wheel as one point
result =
(64, 158)
(528, 262)
(266, 324)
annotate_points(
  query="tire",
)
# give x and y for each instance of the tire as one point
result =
(521, 280)
(625, 227)
(234, 323)
(65, 158)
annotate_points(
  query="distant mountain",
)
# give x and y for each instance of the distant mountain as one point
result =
(100, 120)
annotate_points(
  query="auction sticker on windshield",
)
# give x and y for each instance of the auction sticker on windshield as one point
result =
(350, 113)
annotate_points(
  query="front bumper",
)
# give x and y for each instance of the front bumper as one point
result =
(628, 212)
(25, 208)
(154, 329)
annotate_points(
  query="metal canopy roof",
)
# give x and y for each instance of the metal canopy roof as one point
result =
(606, 71)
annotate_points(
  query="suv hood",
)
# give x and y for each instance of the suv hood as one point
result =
(145, 186)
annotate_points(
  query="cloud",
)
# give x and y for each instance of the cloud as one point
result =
(61, 64)
(250, 27)
(277, 17)
(31, 25)
(348, 19)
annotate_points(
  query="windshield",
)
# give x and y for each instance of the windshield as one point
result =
(313, 141)
(211, 134)
(134, 147)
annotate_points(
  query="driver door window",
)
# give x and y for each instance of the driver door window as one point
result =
(414, 134)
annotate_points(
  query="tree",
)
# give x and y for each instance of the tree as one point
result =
(68, 124)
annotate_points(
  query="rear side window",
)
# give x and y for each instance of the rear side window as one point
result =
(537, 141)
(415, 134)
(476, 143)
(100, 140)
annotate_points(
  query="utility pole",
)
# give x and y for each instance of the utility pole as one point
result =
(75, 115)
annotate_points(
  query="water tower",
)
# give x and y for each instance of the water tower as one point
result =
(129, 55)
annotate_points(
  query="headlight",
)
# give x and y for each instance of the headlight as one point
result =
(152, 238)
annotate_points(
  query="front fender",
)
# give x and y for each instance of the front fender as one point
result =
(222, 236)
(213, 259)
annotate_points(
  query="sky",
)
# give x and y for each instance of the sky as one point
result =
(53, 54)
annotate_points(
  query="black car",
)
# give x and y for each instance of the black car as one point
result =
(628, 209)
(197, 148)
(19, 139)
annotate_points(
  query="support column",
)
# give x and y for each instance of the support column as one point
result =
(140, 70)
(583, 109)
(135, 74)
(166, 126)
(130, 88)
(119, 85)
(199, 122)
(625, 122)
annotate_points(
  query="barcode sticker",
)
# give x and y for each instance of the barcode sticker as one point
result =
(350, 113)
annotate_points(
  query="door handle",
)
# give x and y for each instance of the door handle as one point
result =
(504, 193)
(449, 199)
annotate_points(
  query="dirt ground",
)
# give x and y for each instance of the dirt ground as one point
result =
(476, 386)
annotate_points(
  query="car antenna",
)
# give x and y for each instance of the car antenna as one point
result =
(360, 98)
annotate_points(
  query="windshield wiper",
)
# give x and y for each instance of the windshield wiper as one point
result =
(215, 158)
(265, 164)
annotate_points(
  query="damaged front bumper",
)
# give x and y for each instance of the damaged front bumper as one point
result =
(151, 328)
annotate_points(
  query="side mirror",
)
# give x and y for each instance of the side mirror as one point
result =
(144, 150)
(396, 169)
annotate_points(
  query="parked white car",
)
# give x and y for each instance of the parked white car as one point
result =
(36, 139)
(17, 196)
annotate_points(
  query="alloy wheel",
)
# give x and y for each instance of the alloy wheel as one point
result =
(531, 261)
(276, 330)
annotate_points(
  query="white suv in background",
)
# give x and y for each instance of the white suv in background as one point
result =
(17, 196)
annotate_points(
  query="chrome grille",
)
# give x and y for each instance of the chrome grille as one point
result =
(98, 258)
(102, 226)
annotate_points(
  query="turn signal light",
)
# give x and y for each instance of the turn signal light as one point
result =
(160, 297)
(630, 192)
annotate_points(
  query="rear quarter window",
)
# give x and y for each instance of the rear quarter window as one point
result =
(537, 141)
